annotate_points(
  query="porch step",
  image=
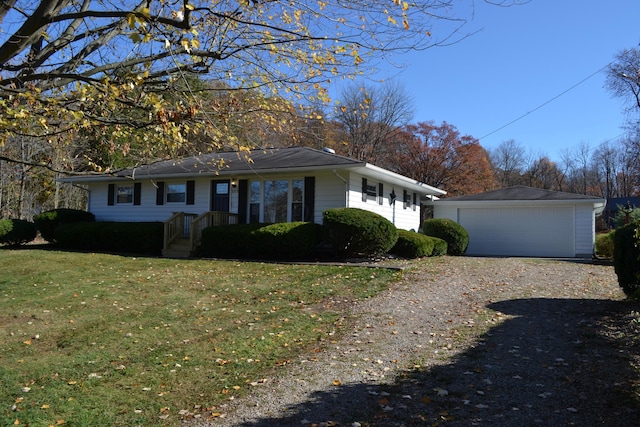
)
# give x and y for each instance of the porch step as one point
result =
(179, 248)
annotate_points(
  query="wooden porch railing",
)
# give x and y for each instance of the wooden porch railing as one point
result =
(186, 225)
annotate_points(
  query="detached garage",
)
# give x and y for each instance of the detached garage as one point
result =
(525, 221)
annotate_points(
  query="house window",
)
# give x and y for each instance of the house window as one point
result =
(176, 193)
(406, 199)
(276, 201)
(124, 195)
(254, 201)
(297, 200)
(369, 191)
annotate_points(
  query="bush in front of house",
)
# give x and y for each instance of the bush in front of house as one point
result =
(287, 240)
(48, 221)
(604, 244)
(16, 232)
(626, 259)
(454, 234)
(413, 245)
(357, 232)
(439, 246)
(143, 238)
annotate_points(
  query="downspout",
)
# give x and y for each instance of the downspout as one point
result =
(346, 187)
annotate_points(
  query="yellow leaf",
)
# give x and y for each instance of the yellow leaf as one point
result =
(190, 7)
(337, 383)
(27, 342)
(17, 422)
(45, 406)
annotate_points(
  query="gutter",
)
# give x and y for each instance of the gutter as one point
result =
(346, 187)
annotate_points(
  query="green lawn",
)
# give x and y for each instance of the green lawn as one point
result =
(104, 340)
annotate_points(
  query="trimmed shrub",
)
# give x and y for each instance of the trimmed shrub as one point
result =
(626, 259)
(287, 240)
(413, 245)
(604, 244)
(357, 232)
(439, 247)
(144, 238)
(16, 232)
(47, 222)
(450, 231)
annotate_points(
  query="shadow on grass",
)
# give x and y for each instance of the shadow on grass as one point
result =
(552, 362)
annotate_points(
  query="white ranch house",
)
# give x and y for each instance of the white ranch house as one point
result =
(263, 186)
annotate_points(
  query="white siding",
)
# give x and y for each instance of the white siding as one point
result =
(406, 218)
(331, 192)
(522, 231)
(585, 231)
(147, 210)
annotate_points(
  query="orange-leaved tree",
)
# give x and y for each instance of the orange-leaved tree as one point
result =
(439, 156)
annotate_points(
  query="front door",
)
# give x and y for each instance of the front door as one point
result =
(220, 195)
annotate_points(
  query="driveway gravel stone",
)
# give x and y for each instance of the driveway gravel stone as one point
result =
(464, 341)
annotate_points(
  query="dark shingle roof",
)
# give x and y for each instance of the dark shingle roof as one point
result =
(256, 160)
(521, 192)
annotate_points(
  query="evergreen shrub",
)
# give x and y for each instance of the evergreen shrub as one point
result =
(439, 247)
(281, 241)
(604, 244)
(16, 232)
(357, 232)
(626, 259)
(413, 245)
(47, 222)
(144, 238)
(454, 234)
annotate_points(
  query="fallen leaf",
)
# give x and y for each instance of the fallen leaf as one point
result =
(337, 383)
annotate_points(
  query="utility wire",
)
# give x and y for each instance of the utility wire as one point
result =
(546, 102)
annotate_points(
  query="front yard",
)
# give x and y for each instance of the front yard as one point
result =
(103, 340)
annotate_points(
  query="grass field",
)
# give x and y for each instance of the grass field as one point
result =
(104, 340)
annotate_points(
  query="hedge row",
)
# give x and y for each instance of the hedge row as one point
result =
(348, 232)
(292, 240)
(144, 238)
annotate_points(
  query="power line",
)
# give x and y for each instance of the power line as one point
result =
(546, 102)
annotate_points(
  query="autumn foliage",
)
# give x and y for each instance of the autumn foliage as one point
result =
(441, 157)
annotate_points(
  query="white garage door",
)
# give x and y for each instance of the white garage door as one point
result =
(531, 231)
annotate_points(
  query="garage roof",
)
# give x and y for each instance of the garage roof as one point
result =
(521, 192)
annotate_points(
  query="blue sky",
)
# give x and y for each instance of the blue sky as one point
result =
(521, 58)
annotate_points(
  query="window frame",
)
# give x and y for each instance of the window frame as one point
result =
(168, 193)
(129, 194)
(257, 202)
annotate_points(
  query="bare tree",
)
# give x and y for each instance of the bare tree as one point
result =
(623, 77)
(371, 117)
(508, 160)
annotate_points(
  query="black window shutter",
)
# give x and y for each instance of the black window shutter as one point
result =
(405, 199)
(136, 193)
(191, 192)
(415, 200)
(364, 189)
(111, 194)
(380, 193)
(243, 199)
(309, 198)
(160, 193)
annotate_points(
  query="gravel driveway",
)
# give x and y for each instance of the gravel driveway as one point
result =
(465, 341)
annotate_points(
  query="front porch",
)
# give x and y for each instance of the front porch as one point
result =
(183, 231)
